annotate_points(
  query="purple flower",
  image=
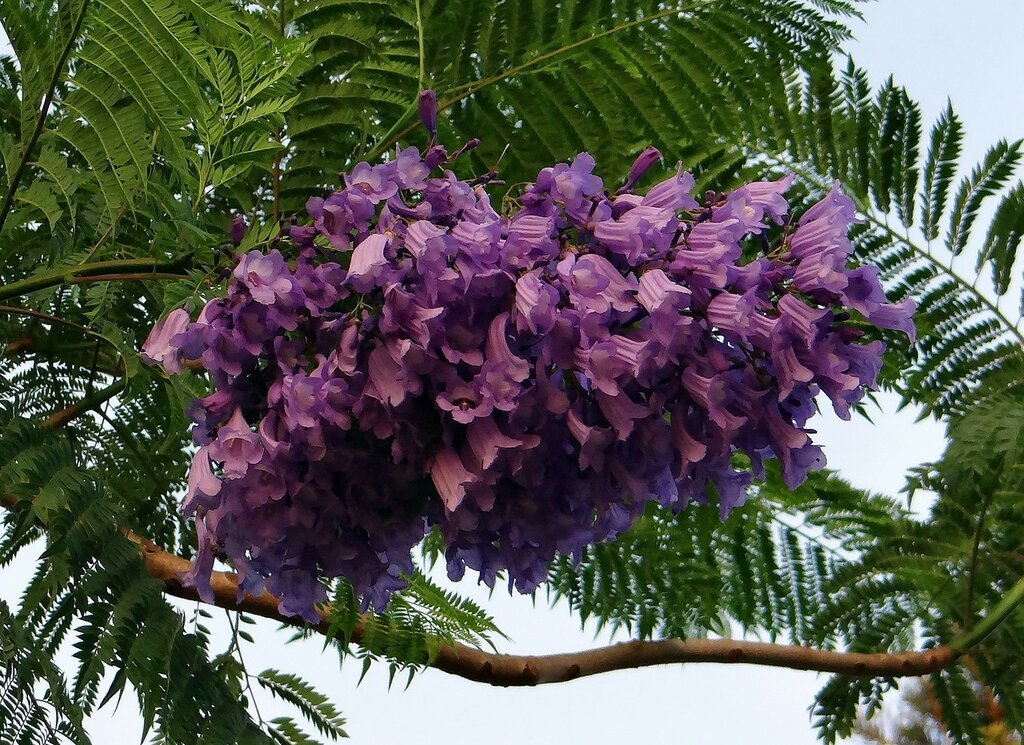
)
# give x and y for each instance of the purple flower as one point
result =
(572, 184)
(863, 291)
(159, 347)
(751, 202)
(536, 303)
(823, 270)
(463, 401)
(500, 354)
(236, 446)
(450, 477)
(733, 313)
(835, 207)
(531, 239)
(375, 183)
(898, 316)
(639, 233)
(410, 170)
(203, 485)
(368, 262)
(597, 285)
(594, 441)
(486, 441)
(621, 412)
(266, 276)
(673, 193)
(549, 371)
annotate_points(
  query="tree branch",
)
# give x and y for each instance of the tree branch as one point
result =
(62, 417)
(94, 272)
(19, 345)
(24, 345)
(526, 670)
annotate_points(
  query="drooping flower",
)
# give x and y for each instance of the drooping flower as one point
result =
(159, 348)
(526, 383)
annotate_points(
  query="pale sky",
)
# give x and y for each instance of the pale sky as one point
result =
(937, 48)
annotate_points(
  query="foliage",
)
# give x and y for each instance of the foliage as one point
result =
(130, 131)
(918, 720)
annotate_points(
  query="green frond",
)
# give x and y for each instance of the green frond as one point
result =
(315, 707)
(939, 169)
(989, 176)
(1004, 237)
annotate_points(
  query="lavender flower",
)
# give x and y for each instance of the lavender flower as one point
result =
(526, 383)
(159, 348)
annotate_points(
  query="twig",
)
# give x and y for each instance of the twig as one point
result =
(106, 234)
(62, 417)
(47, 318)
(19, 345)
(397, 131)
(94, 272)
(975, 549)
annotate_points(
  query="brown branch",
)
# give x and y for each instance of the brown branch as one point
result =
(88, 403)
(47, 318)
(106, 234)
(525, 670)
(16, 347)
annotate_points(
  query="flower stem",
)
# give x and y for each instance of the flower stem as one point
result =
(402, 127)
(1002, 610)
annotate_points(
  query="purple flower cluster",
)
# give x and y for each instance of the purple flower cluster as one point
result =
(526, 382)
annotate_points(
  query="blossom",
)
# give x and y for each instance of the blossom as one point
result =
(159, 348)
(524, 384)
(673, 193)
(368, 262)
(237, 446)
(265, 276)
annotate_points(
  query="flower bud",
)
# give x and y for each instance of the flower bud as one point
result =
(237, 232)
(428, 111)
(641, 165)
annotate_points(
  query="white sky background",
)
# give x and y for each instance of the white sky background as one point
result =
(936, 48)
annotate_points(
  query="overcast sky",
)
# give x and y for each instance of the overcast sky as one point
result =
(938, 48)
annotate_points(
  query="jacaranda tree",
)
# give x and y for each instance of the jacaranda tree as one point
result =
(328, 291)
